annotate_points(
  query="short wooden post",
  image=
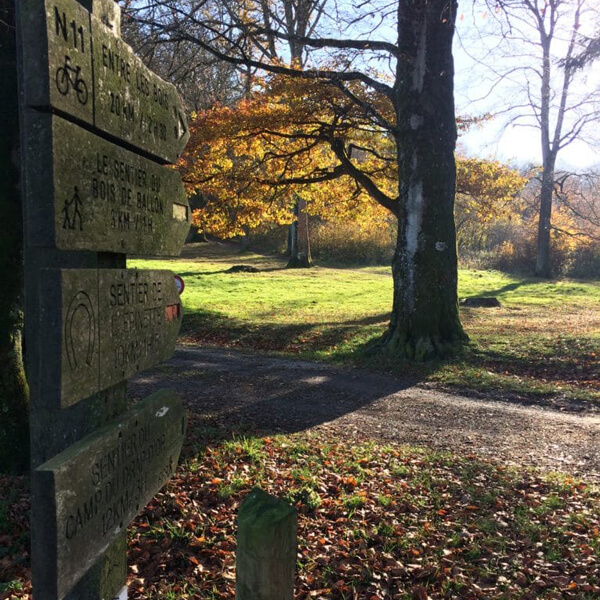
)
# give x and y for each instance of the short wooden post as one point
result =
(266, 550)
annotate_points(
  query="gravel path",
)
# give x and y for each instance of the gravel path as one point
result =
(283, 395)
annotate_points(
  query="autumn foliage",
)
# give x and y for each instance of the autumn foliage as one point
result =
(250, 161)
(507, 238)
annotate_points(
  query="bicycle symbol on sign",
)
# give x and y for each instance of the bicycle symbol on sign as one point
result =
(68, 77)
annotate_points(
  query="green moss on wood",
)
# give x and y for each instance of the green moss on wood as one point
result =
(14, 418)
(261, 511)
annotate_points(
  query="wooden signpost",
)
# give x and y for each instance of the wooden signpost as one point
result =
(109, 477)
(104, 326)
(97, 128)
(83, 70)
(104, 198)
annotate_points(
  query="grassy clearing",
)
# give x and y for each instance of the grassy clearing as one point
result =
(544, 340)
(380, 522)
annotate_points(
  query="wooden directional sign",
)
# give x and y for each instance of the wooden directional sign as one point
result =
(103, 198)
(103, 326)
(97, 130)
(85, 496)
(82, 69)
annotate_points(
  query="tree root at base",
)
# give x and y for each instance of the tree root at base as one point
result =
(420, 349)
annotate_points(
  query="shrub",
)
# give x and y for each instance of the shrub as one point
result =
(349, 242)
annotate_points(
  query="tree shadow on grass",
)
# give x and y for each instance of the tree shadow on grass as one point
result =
(510, 287)
(205, 327)
(572, 363)
(349, 341)
(229, 253)
(230, 272)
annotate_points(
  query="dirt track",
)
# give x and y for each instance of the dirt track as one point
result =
(283, 395)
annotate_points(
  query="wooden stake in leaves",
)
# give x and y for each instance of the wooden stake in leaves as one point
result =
(266, 551)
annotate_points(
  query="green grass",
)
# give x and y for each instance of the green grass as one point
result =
(11, 586)
(544, 340)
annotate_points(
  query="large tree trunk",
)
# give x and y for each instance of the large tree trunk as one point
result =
(298, 240)
(425, 321)
(14, 417)
(542, 262)
(543, 267)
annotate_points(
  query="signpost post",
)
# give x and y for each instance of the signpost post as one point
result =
(97, 129)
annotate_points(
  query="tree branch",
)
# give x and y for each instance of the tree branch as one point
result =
(332, 42)
(365, 181)
(177, 34)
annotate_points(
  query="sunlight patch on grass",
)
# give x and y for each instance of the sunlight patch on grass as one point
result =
(544, 339)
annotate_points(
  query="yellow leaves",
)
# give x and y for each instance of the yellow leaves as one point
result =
(487, 180)
(486, 188)
(250, 162)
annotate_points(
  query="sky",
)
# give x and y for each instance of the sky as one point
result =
(479, 58)
(481, 55)
(478, 52)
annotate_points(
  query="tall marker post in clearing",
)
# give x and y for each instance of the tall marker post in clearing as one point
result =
(97, 128)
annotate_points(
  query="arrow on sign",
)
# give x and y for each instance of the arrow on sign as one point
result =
(181, 130)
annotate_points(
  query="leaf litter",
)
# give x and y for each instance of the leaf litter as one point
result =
(375, 522)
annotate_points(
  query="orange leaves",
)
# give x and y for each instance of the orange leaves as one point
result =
(490, 186)
(251, 161)
(349, 482)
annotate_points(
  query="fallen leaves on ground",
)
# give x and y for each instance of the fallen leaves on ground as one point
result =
(376, 522)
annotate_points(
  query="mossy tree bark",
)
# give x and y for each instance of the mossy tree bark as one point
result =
(425, 320)
(14, 414)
